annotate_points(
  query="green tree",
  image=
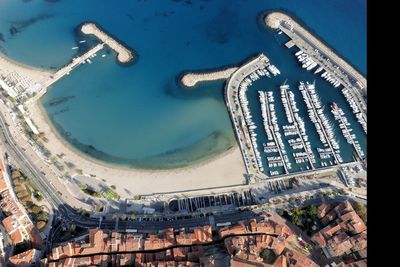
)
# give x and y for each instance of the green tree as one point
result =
(295, 217)
(73, 227)
(341, 191)
(43, 216)
(313, 211)
(40, 225)
(268, 256)
(361, 210)
(38, 196)
(36, 209)
(16, 174)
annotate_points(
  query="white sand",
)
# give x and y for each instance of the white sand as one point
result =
(8, 65)
(223, 170)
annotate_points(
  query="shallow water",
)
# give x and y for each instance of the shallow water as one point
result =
(138, 115)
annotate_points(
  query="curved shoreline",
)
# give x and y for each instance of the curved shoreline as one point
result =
(34, 73)
(43, 113)
(220, 170)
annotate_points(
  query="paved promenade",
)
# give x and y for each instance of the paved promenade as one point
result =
(236, 112)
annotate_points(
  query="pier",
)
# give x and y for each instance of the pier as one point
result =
(70, 66)
(344, 125)
(191, 79)
(124, 54)
(308, 99)
(242, 132)
(273, 132)
(296, 124)
(324, 56)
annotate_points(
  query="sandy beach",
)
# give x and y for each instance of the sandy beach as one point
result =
(225, 169)
(8, 65)
(222, 170)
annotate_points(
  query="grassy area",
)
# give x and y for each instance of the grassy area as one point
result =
(109, 194)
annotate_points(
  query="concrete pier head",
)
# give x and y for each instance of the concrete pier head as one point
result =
(124, 54)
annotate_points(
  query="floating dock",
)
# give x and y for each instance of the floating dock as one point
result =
(290, 44)
(124, 54)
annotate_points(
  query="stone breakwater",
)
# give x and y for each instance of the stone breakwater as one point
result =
(191, 79)
(124, 54)
(273, 20)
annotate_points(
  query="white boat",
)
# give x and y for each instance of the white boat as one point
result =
(104, 55)
(83, 41)
(299, 53)
(318, 70)
(75, 47)
(313, 65)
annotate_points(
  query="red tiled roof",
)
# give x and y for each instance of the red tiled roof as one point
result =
(16, 237)
(27, 257)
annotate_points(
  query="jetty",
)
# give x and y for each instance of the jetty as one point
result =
(74, 63)
(343, 72)
(191, 79)
(236, 112)
(124, 54)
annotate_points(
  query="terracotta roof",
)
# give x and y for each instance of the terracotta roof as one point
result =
(280, 261)
(296, 259)
(3, 185)
(27, 257)
(16, 237)
(361, 263)
(323, 209)
(8, 223)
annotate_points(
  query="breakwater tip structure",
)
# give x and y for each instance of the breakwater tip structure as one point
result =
(306, 41)
(124, 55)
(273, 19)
(191, 79)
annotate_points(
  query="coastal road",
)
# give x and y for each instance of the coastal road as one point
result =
(69, 214)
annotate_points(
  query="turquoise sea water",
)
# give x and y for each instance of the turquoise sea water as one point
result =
(138, 115)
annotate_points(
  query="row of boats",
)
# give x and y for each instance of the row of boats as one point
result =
(309, 64)
(357, 112)
(297, 126)
(248, 122)
(345, 126)
(275, 143)
(321, 122)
